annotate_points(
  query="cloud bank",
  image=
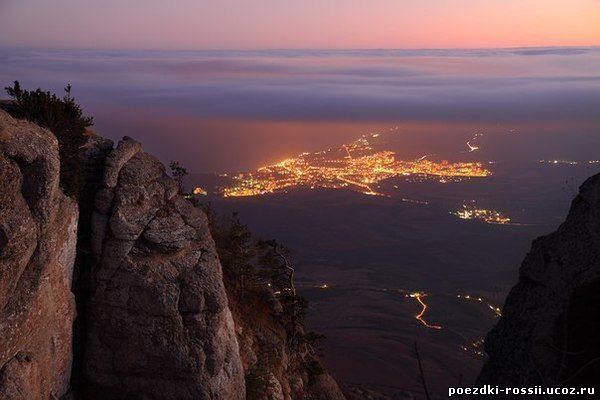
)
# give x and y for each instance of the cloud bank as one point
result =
(550, 85)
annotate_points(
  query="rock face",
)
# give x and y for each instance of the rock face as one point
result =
(158, 322)
(279, 359)
(549, 333)
(38, 234)
(155, 321)
(291, 372)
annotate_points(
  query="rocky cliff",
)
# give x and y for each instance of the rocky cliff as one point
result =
(154, 317)
(549, 333)
(38, 235)
(158, 323)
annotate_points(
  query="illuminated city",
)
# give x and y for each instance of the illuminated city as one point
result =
(488, 216)
(356, 166)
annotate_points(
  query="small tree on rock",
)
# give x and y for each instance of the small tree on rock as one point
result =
(64, 118)
(179, 173)
(275, 260)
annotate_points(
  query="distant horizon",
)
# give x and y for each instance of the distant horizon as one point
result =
(318, 49)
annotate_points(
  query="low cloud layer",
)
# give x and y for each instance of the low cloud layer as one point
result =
(428, 85)
(554, 85)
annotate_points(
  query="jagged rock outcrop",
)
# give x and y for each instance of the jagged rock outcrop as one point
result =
(292, 372)
(158, 323)
(154, 319)
(38, 234)
(278, 356)
(549, 333)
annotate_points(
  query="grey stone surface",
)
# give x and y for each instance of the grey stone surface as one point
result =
(159, 326)
(38, 235)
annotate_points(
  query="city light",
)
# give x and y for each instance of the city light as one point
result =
(488, 216)
(558, 162)
(419, 317)
(198, 191)
(495, 309)
(355, 166)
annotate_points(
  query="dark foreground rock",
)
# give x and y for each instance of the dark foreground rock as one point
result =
(38, 234)
(549, 333)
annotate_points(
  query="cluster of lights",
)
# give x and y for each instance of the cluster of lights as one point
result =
(414, 201)
(475, 347)
(497, 310)
(198, 191)
(556, 162)
(566, 162)
(356, 166)
(488, 216)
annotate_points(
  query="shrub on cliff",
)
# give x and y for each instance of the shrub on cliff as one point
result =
(178, 172)
(236, 250)
(258, 378)
(64, 118)
(257, 270)
(314, 368)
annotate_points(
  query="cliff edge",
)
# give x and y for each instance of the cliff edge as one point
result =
(549, 333)
(38, 235)
(158, 322)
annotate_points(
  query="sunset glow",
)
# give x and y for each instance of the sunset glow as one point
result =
(237, 24)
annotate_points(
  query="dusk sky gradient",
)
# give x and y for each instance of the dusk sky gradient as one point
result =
(245, 24)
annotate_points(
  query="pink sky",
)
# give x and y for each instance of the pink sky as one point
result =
(252, 24)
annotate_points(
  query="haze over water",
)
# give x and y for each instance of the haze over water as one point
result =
(231, 110)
